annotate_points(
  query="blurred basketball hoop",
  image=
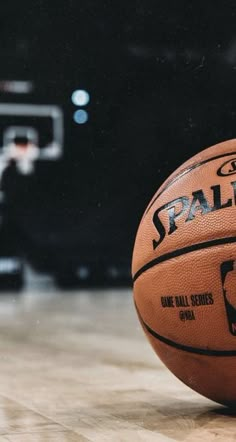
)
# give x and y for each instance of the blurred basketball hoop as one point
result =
(29, 133)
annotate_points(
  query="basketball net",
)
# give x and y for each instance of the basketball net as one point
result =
(23, 154)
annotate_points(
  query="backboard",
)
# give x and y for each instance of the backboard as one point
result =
(41, 125)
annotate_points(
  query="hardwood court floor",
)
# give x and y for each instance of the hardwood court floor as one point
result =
(77, 367)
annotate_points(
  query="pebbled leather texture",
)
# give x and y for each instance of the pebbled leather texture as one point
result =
(185, 273)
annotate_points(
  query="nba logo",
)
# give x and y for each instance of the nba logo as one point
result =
(227, 269)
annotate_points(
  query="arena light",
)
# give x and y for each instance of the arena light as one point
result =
(80, 97)
(80, 116)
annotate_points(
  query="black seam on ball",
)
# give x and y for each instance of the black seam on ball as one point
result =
(184, 172)
(187, 348)
(183, 251)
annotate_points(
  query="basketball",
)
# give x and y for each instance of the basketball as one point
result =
(184, 272)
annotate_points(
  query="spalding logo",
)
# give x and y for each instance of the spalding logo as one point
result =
(185, 208)
(228, 168)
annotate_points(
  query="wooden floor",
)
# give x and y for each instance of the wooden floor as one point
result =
(76, 367)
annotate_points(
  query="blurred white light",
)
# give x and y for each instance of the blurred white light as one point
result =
(80, 97)
(83, 272)
(80, 116)
(16, 86)
(113, 272)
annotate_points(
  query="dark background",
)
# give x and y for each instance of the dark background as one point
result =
(162, 82)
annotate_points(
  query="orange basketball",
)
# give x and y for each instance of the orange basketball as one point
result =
(184, 272)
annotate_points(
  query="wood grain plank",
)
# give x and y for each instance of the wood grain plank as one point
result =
(77, 367)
